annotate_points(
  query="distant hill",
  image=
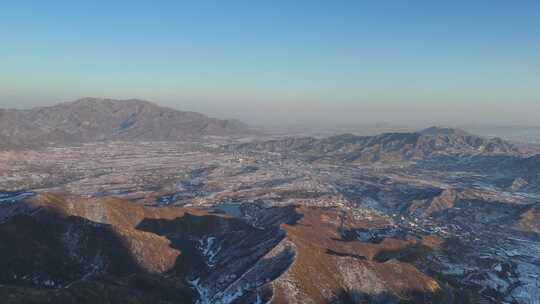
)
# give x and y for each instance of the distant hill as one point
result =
(386, 147)
(96, 119)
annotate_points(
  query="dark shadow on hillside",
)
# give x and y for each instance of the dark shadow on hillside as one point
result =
(345, 254)
(224, 252)
(271, 216)
(356, 297)
(373, 236)
(53, 258)
(410, 297)
(409, 254)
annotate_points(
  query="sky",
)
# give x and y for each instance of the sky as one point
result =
(281, 62)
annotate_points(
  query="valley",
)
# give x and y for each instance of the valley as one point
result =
(316, 226)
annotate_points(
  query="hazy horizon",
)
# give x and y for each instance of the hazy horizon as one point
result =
(283, 63)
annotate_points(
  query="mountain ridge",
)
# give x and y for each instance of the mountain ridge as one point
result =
(156, 254)
(386, 146)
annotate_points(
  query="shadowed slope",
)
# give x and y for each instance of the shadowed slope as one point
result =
(49, 255)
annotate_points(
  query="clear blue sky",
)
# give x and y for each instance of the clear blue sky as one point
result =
(364, 60)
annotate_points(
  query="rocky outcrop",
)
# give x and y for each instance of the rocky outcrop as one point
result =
(427, 207)
(331, 269)
(529, 220)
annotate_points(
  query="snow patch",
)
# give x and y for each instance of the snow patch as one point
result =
(208, 250)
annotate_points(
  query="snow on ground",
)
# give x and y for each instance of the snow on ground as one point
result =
(207, 246)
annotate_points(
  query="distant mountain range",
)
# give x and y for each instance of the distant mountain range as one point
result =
(97, 119)
(385, 147)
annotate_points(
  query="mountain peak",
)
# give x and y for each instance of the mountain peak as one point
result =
(85, 101)
(439, 130)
